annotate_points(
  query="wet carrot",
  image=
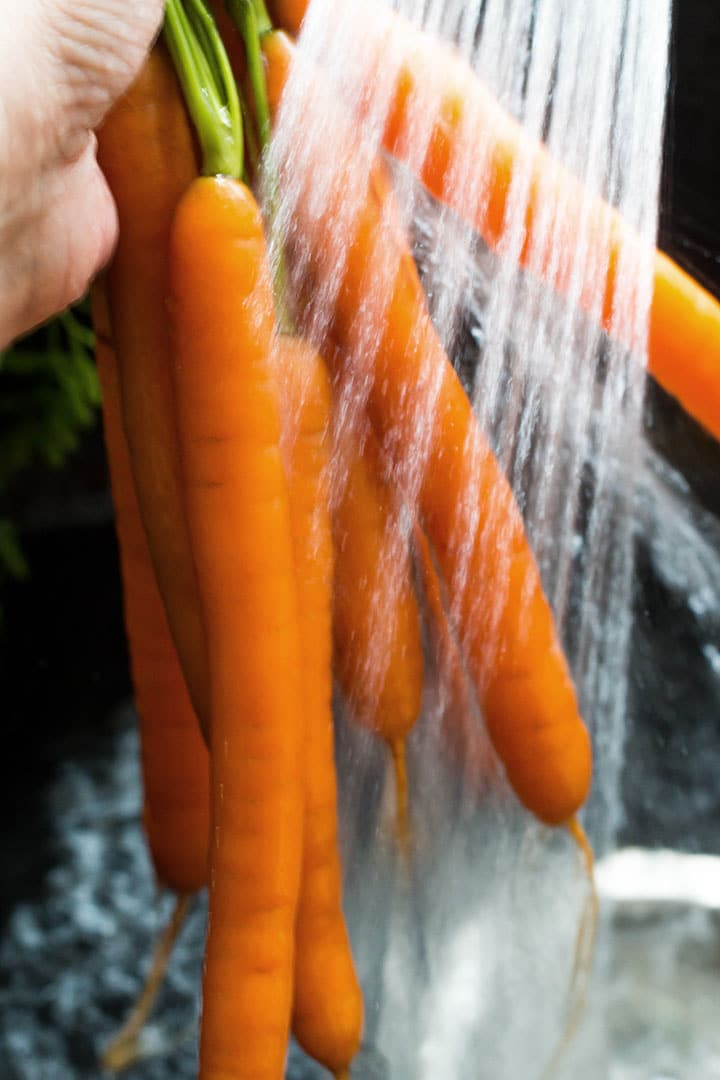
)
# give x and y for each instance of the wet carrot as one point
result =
(327, 1007)
(376, 621)
(236, 499)
(684, 328)
(146, 151)
(462, 723)
(427, 428)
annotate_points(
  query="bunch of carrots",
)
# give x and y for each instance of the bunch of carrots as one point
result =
(241, 553)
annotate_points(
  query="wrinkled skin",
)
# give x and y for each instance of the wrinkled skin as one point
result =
(62, 65)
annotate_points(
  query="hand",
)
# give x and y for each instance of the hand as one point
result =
(62, 65)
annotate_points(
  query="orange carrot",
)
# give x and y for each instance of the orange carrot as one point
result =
(327, 1007)
(175, 764)
(288, 15)
(146, 151)
(421, 414)
(174, 759)
(460, 714)
(684, 331)
(378, 648)
(237, 506)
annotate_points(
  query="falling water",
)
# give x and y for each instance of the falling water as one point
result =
(466, 953)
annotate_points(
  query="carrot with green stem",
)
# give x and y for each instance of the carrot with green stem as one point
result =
(432, 79)
(236, 498)
(175, 768)
(145, 148)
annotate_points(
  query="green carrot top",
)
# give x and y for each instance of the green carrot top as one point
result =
(208, 84)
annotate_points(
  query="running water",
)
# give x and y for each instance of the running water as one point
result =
(466, 956)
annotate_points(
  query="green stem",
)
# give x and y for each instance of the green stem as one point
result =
(244, 16)
(264, 22)
(209, 86)
(252, 20)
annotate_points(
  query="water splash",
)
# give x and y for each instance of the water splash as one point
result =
(560, 400)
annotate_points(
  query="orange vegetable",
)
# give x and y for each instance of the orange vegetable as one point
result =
(288, 14)
(237, 509)
(378, 648)
(327, 1008)
(462, 722)
(684, 331)
(175, 764)
(146, 151)
(421, 414)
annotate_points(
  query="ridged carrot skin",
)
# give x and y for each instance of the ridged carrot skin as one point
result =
(237, 508)
(175, 765)
(419, 409)
(684, 330)
(376, 623)
(327, 1008)
(146, 151)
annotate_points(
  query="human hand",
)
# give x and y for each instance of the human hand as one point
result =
(62, 65)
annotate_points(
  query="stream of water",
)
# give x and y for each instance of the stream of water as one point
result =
(466, 956)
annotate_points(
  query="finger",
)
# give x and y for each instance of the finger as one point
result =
(55, 260)
(99, 47)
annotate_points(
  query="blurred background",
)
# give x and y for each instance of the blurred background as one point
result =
(77, 900)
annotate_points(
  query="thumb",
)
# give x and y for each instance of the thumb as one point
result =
(99, 47)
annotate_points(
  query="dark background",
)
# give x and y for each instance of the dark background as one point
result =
(63, 661)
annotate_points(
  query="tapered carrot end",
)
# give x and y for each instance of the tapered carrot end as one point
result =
(402, 827)
(342, 1074)
(584, 945)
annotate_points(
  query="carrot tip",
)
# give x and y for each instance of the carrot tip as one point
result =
(584, 944)
(397, 749)
(125, 1049)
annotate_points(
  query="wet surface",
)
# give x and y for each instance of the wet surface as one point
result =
(77, 899)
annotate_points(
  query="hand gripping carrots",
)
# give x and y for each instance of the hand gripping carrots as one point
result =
(146, 151)
(327, 1006)
(238, 514)
(503, 619)
(684, 330)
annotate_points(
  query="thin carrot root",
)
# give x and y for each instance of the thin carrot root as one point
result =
(124, 1050)
(342, 1074)
(587, 929)
(402, 825)
(584, 945)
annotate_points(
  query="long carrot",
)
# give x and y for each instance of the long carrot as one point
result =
(422, 416)
(146, 150)
(238, 514)
(175, 766)
(327, 1007)
(376, 621)
(684, 330)
(175, 763)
